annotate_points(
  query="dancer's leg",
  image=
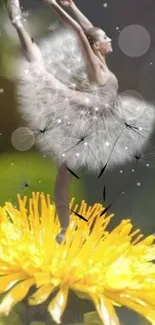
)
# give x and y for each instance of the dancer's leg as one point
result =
(29, 48)
(61, 194)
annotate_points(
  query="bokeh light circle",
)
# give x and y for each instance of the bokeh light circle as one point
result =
(133, 103)
(22, 139)
(134, 40)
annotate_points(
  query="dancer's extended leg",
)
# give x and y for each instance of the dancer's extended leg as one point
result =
(61, 194)
(30, 50)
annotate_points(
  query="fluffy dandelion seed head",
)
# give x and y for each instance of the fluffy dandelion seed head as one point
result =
(111, 268)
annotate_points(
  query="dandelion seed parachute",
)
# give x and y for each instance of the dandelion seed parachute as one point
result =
(99, 122)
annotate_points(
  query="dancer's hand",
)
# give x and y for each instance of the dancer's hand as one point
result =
(66, 3)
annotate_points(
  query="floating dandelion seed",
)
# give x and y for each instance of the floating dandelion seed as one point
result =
(51, 125)
(121, 259)
(144, 154)
(107, 143)
(134, 128)
(127, 125)
(48, 127)
(22, 177)
(80, 136)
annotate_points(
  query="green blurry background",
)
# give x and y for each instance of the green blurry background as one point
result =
(39, 171)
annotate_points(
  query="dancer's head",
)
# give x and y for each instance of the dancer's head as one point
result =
(99, 41)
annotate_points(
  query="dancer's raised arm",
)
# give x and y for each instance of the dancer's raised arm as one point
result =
(94, 71)
(77, 14)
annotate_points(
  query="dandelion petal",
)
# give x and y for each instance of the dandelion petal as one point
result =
(58, 304)
(105, 310)
(15, 295)
(41, 295)
(7, 281)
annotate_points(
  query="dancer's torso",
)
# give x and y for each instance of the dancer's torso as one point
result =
(108, 92)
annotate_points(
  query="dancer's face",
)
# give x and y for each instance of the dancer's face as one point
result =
(103, 44)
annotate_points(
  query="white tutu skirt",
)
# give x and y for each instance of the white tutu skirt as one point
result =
(107, 129)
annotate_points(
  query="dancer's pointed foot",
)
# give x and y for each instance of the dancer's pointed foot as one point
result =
(61, 235)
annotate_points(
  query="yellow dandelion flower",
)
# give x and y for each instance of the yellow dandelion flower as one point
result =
(110, 268)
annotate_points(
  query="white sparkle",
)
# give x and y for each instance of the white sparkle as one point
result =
(74, 85)
(63, 155)
(44, 156)
(12, 164)
(123, 193)
(19, 24)
(140, 128)
(107, 144)
(105, 5)
(151, 63)
(1, 90)
(85, 143)
(17, 21)
(59, 121)
(126, 148)
(54, 26)
(26, 13)
(121, 171)
(133, 170)
(96, 109)
(117, 28)
(77, 154)
(147, 165)
(138, 184)
(87, 100)
(26, 71)
(69, 123)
